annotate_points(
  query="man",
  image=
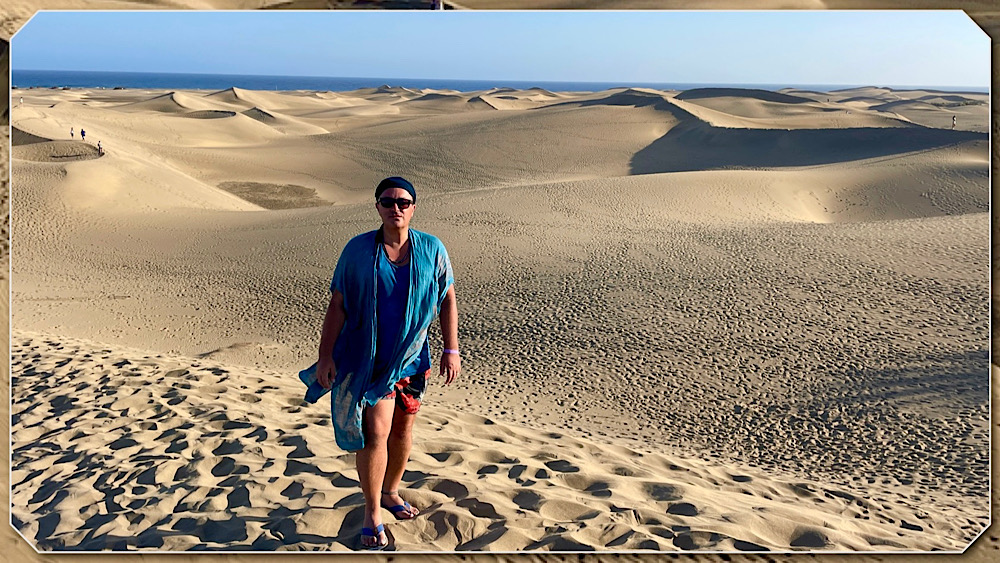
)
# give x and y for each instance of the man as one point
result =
(388, 286)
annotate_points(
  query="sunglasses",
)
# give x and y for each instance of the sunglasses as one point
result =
(388, 202)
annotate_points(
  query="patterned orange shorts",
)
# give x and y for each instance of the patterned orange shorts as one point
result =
(409, 392)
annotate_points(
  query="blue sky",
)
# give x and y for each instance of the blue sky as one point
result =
(938, 48)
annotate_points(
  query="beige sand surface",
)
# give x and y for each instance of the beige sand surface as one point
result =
(198, 454)
(690, 320)
(983, 550)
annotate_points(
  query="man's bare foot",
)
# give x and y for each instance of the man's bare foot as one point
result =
(399, 508)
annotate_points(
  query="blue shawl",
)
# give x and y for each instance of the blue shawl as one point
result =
(354, 353)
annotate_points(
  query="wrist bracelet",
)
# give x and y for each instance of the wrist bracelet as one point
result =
(450, 351)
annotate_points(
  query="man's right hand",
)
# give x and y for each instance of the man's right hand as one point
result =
(326, 369)
(326, 372)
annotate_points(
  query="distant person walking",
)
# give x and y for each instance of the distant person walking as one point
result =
(100, 151)
(954, 121)
(83, 135)
(388, 286)
(70, 132)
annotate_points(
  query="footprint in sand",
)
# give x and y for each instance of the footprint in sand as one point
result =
(123, 443)
(228, 466)
(599, 489)
(479, 509)
(293, 491)
(228, 447)
(682, 509)
(516, 471)
(528, 500)
(260, 434)
(663, 492)
(562, 466)
(236, 425)
(239, 497)
(802, 537)
(566, 511)
(299, 443)
(442, 456)
(697, 540)
(450, 488)
(177, 446)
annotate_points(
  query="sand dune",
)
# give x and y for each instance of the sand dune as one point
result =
(198, 455)
(869, 100)
(18, 137)
(922, 107)
(863, 91)
(173, 102)
(764, 95)
(945, 99)
(260, 115)
(271, 101)
(210, 114)
(879, 105)
(518, 100)
(698, 146)
(235, 96)
(283, 123)
(386, 89)
(776, 337)
(447, 102)
(56, 151)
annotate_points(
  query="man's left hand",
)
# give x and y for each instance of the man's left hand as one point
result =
(451, 366)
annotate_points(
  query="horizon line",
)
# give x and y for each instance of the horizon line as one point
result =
(791, 84)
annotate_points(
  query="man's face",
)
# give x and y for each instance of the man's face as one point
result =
(393, 216)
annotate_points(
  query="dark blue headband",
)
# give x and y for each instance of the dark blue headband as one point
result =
(396, 182)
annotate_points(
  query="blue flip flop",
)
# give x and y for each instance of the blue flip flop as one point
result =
(400, 508)
(370, 533)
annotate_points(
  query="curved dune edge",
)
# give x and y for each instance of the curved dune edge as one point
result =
(116, 448)
(56, 151)
(19, 138)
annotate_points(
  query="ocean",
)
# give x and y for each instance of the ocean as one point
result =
(171, 81)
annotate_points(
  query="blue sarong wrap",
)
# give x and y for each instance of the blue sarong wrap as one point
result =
(354, 353)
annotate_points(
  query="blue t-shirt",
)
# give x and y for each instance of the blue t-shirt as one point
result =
(393, 289)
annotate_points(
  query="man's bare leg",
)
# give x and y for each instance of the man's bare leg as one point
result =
(371, 462)
(400, 442)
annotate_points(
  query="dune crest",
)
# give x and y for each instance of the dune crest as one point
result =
(171, 102)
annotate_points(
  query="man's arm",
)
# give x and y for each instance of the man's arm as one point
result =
(451, 363)
(326, 370)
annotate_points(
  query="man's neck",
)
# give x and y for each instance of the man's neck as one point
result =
(395, 238)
